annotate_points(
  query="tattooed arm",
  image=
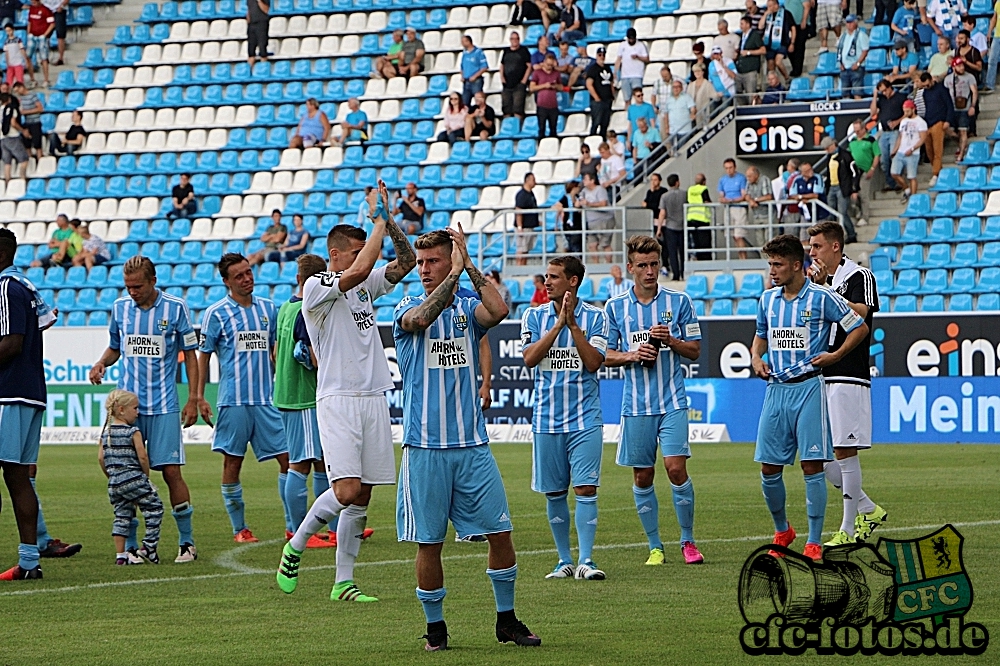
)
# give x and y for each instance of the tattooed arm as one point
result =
(406, 259)
(422, 316)
(493, 309)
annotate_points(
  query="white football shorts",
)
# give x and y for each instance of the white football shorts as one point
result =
(850, 410)
(357, 438)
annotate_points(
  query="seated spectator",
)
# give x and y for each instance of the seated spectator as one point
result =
(538, 57)
(581, 63)
(273, 238)
(61, 247)
(525, 223)
(619, 285)
(778, 27)
(545, 84)
(474, 67)
(455, 115)
(977, 39)
(545, 11)
(570, 221)
(94, 250)
(630, 65)
(387, 66)
(540, 297)
(617, 147)
(313, 129)
(412, 208)
(494, 277)
(586, 163)
(599, 223)
(965, 96)
(904, 64)
(702, 92)
(411, 56)
(564, 62)
(72, 140)
(904, 24)
(12, 150)
(612, 170)
(941, 61)
(182, 198)
(775, 92)
(722, 73)
(16, 56)
(572, 23)
(681, 111)
(481, 120)
(644, 139)
(295, 244)
(355, 125)
(639, 108)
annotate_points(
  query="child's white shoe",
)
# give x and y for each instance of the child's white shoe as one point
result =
(127, 558)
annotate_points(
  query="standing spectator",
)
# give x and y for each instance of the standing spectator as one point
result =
(587, 163)
(538, 57)
(779, 30)
(797, 49)
(8, 12)
(884, 11)
(411, 56)
(94, 250)
(681, 112)
(733, 190)
(661, 91)
(994, 59)
(31, 110)
(702, 92)
(474, 66)
(58, 9)
(612, 170)
(525, 223)
(616, 146)
(600, 85)
(630, 65)
(386, 66)
(941, 61)
(481, 121)
(906, 152)
(842, 176)
(866, 155)
(754, 11)
(727, 41)
(455, 117)
(904, 64)
(545, 84)
(273, 238)
(313, 128)
(515, 69)
(775, 92)
(540, 297)
(16, 57)
(639, 109)
(961, 85)
(355, 125)
(570, 221)
(699, 58)
(58, 245)
(619, 285)
(12, 150)
(699, 217)
(722, 73)
(670, 226)
(41, 23)
(258, 25)
(782, 186)
(759, 192)
(651, 201)
(939, 109)
(564, 62)
(572, 23)
(581, 63)
(807, 187)
(947, 17)
(182, 199)
(852, 49)
(412, 208)
(598, 222)
(645, 139)
(904, 24)
(977, 39)
(748, 60)
(494, 277)
(828, 17)
(72, 140)
(971, 58)
(887, 109)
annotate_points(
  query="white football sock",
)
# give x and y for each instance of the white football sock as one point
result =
(850, 471)
(832, 469)
(349, 531)
(324, 509)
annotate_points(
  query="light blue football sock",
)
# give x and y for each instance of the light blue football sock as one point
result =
(648, 508)
(503, 587)
(774, 496)
(27, 558)
(232, 495)
(684, 508)
(132, 540)
(182, 516)
(42, 530)
(282, 484)
(557, 508)
(296, 498)
(433, 602)
(586, 525)
(815, 505)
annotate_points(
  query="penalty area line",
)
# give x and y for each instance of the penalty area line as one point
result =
(228, 560)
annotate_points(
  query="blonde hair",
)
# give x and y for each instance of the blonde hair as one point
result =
(117, 399)
(139, 264)
(641, 245)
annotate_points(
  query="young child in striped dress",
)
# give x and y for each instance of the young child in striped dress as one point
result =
(124, 461)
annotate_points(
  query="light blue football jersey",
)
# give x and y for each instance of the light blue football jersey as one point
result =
(243, 338)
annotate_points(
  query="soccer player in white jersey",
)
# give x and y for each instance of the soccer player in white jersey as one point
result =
(148, 328)
(448, 471)
(848, 382)
(353, 376)
(794, 322)
(565, 341)
(650, 328)
(242, 330)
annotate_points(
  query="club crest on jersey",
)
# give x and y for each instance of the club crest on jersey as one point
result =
(666, 317)
(461, 322)
(263, 322)
(362, 294)
(807, 315)
(163, 324)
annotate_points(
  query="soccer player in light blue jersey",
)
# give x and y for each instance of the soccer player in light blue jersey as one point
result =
(794, 322)
(649, 329)
(148, 329)
(448, 471)
(242, 330)
(565, 342)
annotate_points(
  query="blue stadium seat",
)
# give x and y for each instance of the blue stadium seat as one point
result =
(915, 231)
(907, 282)
(911, 256)
(697, 286)
(181, 275)
(963, 281)
(268, 273)
(991, 255)
(76, 276)
(66, 300)
(883, 279)
(978, 152)
(948, 180)
(938, 256)
(976, 179)
(945, 204)
(968, 229)
(991, 230)
(826, 65)
(907, 303)
(966, 254)
(723, 287)
(77, 318)
(24, 255)
(973, 203)
(935, 281)
(699, 308)
(881, 37)
(746, 306)
(55, 277)
(932, 303)
(988, 302)
(888, 232)
(191, 252)
(106, 298)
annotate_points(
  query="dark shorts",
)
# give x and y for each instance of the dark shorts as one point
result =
(35, 129)
(61, 24)
(512, 101)
(257, 39)
(962, 119)
(399, 72)
(479, 129)
(282, 256)
(773, 53)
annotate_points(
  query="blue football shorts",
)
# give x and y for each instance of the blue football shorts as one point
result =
(20, 433)
(258, 425)
(164, 440)
(640, 436)
(794, 420)
(561, 459)
(301, 434)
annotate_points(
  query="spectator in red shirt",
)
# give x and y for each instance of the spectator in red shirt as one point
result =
(41, 23)
(545, 82)
(540, 297)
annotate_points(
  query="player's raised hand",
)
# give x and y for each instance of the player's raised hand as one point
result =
(760, 368)
(568, 312)
(465, 246)
(384, 194)
(372, 199)
(97, 373)
(459, 254)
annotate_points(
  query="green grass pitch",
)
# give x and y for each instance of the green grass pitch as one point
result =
(226, 608)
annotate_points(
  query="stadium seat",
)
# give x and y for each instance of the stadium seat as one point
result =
(990, 256)
(988, 282)
(888, 232)
(948, 180)
(723, 287)
(945, 204)
(988, 302)
(907, 282)
(907, 303)
(968, 229)
(915, 231)
(911, 256)
(746, 306)
(697, 286)
(938, 256)
(966, 255)
(941, 231)
(962, 281)
(935, 281)
(932, 303)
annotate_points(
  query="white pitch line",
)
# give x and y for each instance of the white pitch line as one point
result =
(229, 559)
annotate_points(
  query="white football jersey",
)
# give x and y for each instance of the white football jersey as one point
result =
(344, 336)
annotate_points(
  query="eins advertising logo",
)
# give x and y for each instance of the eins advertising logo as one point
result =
(770, 138)
(951, 357)
(903, 597)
